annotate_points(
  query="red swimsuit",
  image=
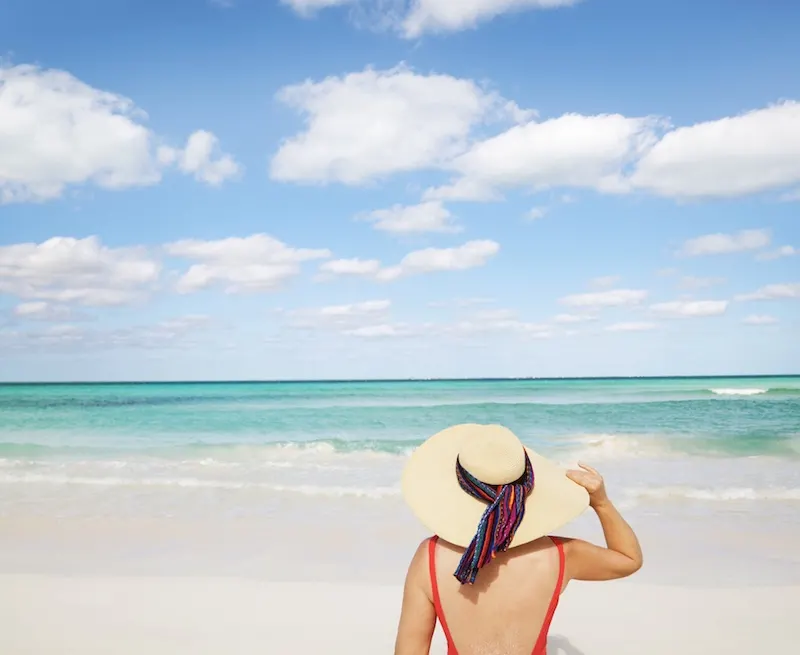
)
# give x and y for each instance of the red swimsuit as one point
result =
(541, 643)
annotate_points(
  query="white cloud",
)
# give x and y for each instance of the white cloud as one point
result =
(759, 319)
(429, 216)
(790, 196)
(536, 213)
(355, 309)
(354, 267)
(56, 131)
(723, 244)
(82, 271)
(498, 320)
(604, 282)
(369, 124)
(381, 331)
(690, 308)
(631, 327)
(201, 158)
(572, 150)
(773, 292)
(174, 333)
(692, 282)
(249, 264)
(413, 18)
(307, 8)
(783, 251)
(41, 310)
(611, 298)
(573, 318)
(733, 156)
(428, 260)
(339, 315)
(449, 16)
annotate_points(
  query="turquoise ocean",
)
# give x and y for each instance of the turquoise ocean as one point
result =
(167, 448)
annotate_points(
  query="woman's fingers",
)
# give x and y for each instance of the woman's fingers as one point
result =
(579, 477)
(586, 467)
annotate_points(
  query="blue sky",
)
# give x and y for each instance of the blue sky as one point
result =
(260, 189)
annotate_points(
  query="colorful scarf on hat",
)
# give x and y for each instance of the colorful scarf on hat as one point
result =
(499, 522)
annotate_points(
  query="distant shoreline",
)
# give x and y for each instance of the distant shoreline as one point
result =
(402, 380)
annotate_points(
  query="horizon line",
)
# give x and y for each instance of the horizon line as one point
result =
(395, 380)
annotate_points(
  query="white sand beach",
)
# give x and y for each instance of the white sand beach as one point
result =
(167, 615)
(326, 577)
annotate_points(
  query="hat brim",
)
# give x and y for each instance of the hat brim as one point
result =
(430, 488)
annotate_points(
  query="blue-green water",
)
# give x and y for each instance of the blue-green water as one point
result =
(737, 416)
(701, 438)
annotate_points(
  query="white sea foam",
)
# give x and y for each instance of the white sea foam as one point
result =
(738, 392)
(602, 446)
(716, 495)
(196, 483)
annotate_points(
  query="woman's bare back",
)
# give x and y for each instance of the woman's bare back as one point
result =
(503, 612)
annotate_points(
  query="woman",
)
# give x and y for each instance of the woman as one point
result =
(491, 576)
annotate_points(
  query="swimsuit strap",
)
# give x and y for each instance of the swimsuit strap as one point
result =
(541, 643)
(437, 602)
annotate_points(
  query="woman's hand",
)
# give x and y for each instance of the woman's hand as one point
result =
(592, 481)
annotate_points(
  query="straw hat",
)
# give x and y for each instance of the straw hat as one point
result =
(494, 455)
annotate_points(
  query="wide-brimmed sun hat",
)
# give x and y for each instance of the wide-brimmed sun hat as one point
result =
(478, 487)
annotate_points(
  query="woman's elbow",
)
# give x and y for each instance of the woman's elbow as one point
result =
(631, 566)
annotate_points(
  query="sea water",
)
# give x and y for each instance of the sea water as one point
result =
(312, 457)
(711, 439)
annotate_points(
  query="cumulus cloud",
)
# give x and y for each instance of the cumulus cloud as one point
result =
(778, 253)
(337, 316)
(631, 327)
(382, 331)
(41, 310)
(428, 260)
(202, 159)
(413, 18)
(370, 124)
(759, 319)
(57, 131)
(353, 267)
(732, 156)
(601, 299)
(469, 255)
(571, 150)
(723, 244)
(429, 216)
(175, 333)
(448, 16)
(536, 213)
(498, 320)
(773, 292)
(81, 271)
(692, 282)
(307, 8)
(240, 264)
(604, 282)
(690, 308)
(437, 122)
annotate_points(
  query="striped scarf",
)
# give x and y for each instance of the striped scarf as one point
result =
(499, 522)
